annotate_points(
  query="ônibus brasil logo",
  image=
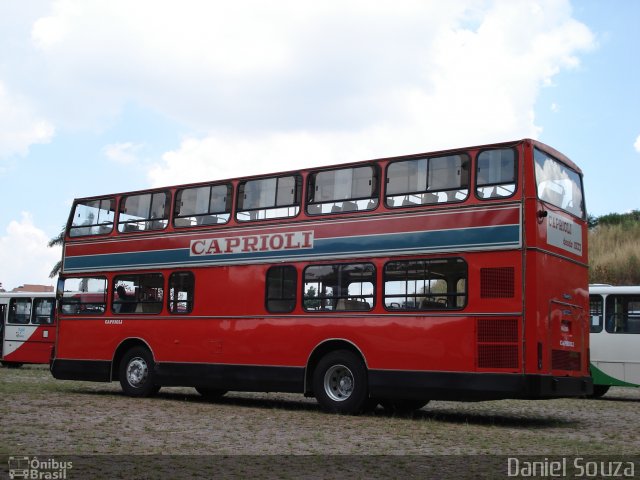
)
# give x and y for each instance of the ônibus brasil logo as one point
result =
(37, 469)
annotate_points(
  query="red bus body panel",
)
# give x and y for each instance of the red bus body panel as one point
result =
(523, 332)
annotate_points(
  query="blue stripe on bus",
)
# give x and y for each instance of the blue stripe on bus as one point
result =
(504, 236)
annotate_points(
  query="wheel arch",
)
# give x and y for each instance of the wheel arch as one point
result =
(322, 349)
(124, 346)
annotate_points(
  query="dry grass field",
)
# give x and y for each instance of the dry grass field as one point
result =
(42, 416)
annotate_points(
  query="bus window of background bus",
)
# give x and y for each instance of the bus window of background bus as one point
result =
(181, 292)
(425, 284)
(208, 205)
(596, 313)
(148, 211)
(19, 311)
(83, 296)
(43, 309)
(496, 173)
(558, 184)
(93, 217)
(138, 293)
(344, 190)
(339, 287)
(623, 314)
(281, 286)
(267, 198)
(427, 181)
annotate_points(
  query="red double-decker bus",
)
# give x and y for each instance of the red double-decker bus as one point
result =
(458, 274)
(27, 327)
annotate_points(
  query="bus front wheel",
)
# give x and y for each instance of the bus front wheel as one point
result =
(340, 383)
(137, 373)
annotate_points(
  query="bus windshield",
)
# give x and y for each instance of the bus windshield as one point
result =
(558, 185)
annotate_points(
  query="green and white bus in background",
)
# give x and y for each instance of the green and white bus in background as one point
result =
(615, 337)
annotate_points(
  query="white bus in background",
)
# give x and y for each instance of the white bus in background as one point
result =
(27, 327)
(615, 337)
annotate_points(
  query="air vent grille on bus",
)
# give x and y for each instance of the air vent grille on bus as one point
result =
(497, 330)
(564, 360)
(497, 356)
(497, 282)
(497, 343)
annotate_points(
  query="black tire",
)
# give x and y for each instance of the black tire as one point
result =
(599, 390)
(340, 383)
(210, 394)
(137, 373)
(404, 405)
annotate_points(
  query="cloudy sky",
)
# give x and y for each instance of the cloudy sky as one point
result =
(103, 96)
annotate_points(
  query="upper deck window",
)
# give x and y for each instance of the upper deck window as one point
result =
(93, 217)
(427, 181)
(206, 205)
(266, 198)
(558, 184)
(344, 190)
(148, 211)
(496, 173)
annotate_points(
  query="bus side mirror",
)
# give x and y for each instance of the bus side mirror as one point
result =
(60, 289)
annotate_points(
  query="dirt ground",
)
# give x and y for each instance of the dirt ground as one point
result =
(44, 416)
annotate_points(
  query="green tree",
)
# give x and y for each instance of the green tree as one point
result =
(54, 242)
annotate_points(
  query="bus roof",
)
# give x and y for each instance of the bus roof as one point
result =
(553, 152)
(603, 289)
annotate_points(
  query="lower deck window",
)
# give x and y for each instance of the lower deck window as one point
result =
(20, 311)
(339, 287)
(623, 314)
(138, 293)
(438, 284)
(281, 289)
(83, 295)
(43, 309)
(181, 290)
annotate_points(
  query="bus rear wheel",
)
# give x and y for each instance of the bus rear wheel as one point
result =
(340, 383)
(137, 373)
(211, 394)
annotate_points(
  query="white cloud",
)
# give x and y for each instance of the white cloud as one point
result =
(253, 66)
(123, 153)
(303, 83)
(636, 145)
(24, 255)
(472, 75)
(20, 125)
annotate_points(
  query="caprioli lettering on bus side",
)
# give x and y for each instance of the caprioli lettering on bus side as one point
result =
(252, 243)
(559, 224)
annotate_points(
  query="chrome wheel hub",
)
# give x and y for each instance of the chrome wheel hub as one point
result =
(137, 372)
(338, 383)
